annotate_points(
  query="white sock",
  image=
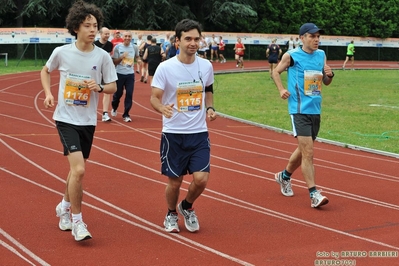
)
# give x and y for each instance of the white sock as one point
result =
(65, 204)
(76, 217)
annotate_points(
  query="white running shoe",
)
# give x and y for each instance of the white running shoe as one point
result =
(65, 223)
(170, 223)
(317, 199)
(114, 112)
(190, 219)
(79, 231)
(285, 185)
(127, 119)
(106, 118)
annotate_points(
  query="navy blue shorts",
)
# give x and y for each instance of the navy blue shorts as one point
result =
(185, 153)
(76, 138)
(306, 125)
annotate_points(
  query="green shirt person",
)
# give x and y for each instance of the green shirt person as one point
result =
(350, 54)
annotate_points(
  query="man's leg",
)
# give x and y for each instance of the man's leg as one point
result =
(305, 147)
(197, 186)
(129, 87)
(172, 192)
(74, 189)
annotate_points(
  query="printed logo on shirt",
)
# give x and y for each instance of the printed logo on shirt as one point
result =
(94, 68)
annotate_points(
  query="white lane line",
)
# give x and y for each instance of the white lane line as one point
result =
(22, 247)
(163, 234)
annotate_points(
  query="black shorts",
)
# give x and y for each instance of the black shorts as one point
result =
(221, 52)
(151, 71)
(184, 153)
(306, 125)
(273, 59)
(201, 52)
(349, 56)
(76, 138)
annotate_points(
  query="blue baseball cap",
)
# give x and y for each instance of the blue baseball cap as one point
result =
(309, 28)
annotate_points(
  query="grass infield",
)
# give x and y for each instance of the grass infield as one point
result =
(359, 108)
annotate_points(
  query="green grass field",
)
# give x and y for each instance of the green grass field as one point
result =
(359, 108)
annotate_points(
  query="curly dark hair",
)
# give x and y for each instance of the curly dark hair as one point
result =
(186, 25)
(79, 11)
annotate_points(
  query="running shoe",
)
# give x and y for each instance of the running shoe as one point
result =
(65, 223)
(80, 232)
(106, 118)
(317, 199)
(170, 223)
(190, 219)
(114, 112)
(127, 119)
(285, 185)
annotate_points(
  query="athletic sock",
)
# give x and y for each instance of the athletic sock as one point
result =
(286, 175)
(186, 205)
(105, 113)
(65, 204)
(77, 217)
(312, 190)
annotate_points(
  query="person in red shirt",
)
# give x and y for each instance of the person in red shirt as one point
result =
(239, 48)
(117, 39)
(221, 50)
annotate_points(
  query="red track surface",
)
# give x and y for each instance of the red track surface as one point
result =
(243, 216)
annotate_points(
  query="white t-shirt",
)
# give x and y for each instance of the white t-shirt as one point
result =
(77, 105)
(182, 87)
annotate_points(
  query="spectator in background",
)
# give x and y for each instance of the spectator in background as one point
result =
(140, 62)
(166, 45)
(350, 55)
(144, 68)
(239, 49)
(108, 47)
(117, 39)
(208, 43)
(290, 44)
(297, 43)
(221, 50)
(273, 53)
(123, 57)
(203, 46)
(214, 47)
(154, 54)
(174, 47)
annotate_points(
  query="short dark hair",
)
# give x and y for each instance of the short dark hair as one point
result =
(79, 11)
(149, 37)
(186, 25)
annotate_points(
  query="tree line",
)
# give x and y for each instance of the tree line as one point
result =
(374, 18)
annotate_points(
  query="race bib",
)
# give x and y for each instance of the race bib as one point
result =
(313, 81)
(76, 91)
(127, 61)
(189, 96)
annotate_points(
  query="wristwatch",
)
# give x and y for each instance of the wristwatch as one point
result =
(101, 88)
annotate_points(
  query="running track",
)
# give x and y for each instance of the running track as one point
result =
(243, 216)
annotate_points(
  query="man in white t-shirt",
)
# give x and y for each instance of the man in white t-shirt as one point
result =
(182, 91)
